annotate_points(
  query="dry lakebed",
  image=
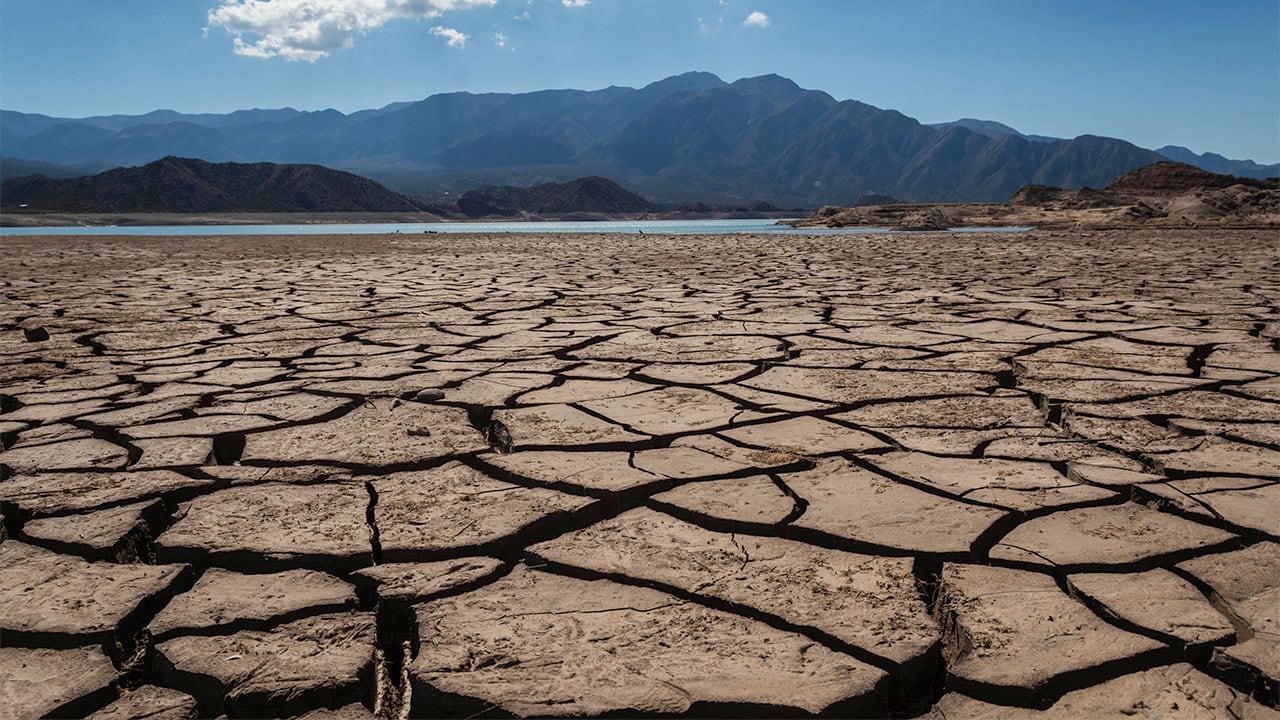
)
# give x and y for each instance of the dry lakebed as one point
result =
(900, 475)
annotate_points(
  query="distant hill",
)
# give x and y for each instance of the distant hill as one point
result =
(184, 185)
(685, 139)
(872, 199)
(1166, 193)
(1212, 162)
(589, 194)
(1172, 178)
(19, 167)
(1218, 164)
(1163, 194)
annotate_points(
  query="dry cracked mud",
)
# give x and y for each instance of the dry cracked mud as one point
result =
(942, 475)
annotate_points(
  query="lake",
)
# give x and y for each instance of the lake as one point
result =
(655, 227)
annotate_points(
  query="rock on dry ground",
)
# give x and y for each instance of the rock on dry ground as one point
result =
(953, 475)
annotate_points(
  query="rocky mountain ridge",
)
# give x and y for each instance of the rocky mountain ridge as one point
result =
(687, 138)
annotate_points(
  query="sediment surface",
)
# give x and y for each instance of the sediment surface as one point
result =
(996, 475)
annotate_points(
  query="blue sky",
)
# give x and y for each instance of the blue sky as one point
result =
(1201, 74)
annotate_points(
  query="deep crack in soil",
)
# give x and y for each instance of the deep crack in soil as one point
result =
(930, 475)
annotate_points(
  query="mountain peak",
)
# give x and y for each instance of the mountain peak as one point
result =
(990, 128)
(771, 84)
(695, 80)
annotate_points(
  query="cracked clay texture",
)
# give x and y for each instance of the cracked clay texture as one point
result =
(943, 475)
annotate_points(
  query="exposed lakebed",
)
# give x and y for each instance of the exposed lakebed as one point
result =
(694, 475)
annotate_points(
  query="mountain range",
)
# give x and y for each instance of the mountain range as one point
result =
(690, 137)
(1212, 162)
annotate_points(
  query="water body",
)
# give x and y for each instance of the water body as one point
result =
(654, 227)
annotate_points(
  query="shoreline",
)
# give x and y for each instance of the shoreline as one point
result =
(21, 220)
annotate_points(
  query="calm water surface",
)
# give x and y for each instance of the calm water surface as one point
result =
(655, 227)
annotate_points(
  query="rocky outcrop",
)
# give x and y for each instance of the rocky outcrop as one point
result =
(1172, 178)
(1164, 194)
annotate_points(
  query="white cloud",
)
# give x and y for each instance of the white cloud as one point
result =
(524, 15)
(575, 3)
(311, 29)
(501, 41)
(756, 19)
(455, 39)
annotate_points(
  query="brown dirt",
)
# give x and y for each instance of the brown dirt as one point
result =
(863, 475)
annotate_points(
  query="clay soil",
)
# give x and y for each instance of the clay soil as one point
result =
(944, 475)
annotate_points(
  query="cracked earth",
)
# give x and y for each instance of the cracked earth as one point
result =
(965, 475)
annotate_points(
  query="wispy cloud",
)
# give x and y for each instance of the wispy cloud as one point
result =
(757, 19)
(454, 38)
(524, 15)
(501, 41)
(575, 3)
(308, 30)
(705, 26)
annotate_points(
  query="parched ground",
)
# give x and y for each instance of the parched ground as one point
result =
(955, 475)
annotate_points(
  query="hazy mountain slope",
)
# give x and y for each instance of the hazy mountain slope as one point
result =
(685, 138)
(11, 167)
(1216, 163)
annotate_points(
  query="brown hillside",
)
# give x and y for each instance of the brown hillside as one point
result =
(1171, 178)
